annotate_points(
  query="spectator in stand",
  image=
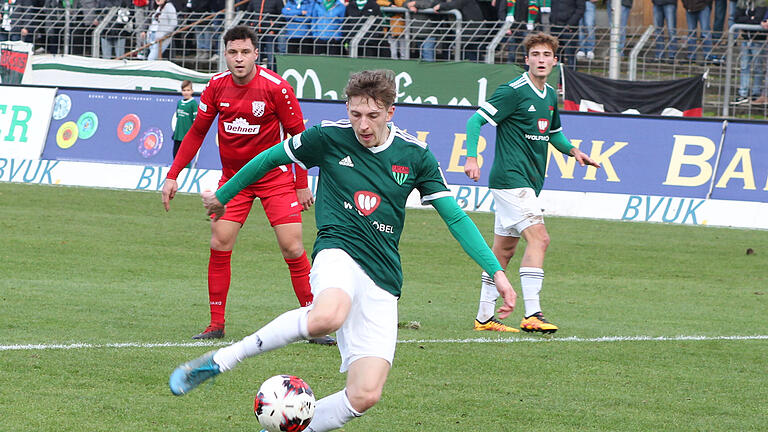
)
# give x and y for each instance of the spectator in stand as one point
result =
(721, 9)
(207, 31)
(14, 16)
(267, 26)
(763, 99)
(371, 41)
(516, 12)
(163, 23)
(626, 8)
(752, 58)
(114, 34)
(472, 30)
(564, 19)
(297, 29)
(587, 32)
(665, 12)
(426, 27)
(398, 46)
(327, 18)
(697, 14)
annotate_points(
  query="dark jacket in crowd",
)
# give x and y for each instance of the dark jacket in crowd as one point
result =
(262, 10)
(567, 13)
(754, 15)
(664, 2)
(696, 5)
(470, 10)
(369, 8)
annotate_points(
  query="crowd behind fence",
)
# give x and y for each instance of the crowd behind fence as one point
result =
(400, 33)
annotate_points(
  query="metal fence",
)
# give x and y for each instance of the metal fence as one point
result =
(648, 54)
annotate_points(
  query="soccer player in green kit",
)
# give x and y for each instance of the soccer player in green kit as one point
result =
(368, 167)
(524, 112)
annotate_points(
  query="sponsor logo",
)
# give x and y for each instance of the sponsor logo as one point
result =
(224, 104)
(347, 162)
(241, 127)
(531, 108)
(203, 107)
(366, 202)
(542, 124)
(400, 173)
(258, 108)
(532, 137)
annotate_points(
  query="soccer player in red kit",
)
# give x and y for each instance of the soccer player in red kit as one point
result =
(256, 108)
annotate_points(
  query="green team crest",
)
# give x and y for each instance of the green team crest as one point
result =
(400, 173)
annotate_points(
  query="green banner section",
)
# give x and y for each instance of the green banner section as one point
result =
(461, 83)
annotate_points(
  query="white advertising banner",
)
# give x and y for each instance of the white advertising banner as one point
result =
(637, 208)
(25, 113)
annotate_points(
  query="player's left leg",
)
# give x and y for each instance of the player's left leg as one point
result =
(365, 381)
(532, 278)
(504, 249)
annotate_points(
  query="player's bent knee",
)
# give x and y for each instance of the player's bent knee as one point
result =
(363, 400)
(322, 322)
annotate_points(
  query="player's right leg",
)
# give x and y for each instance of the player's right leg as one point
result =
(326, 315)
(223, 236)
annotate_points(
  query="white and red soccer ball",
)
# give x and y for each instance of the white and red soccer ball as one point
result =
(285, 403)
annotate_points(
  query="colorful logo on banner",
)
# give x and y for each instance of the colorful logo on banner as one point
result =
(128, 128)
(151, 142)
(61, 106)
(67, 135)
(87, 124)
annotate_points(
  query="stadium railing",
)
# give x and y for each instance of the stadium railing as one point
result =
(426, 35)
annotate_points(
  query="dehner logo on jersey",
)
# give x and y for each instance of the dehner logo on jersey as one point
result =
(258, 108)
(543, 124)
(241, 126)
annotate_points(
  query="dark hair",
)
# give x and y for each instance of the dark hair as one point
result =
(241, 32)
(378, 85)
(540, 38)
(186, 83)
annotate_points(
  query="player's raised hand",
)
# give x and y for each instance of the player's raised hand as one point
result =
(213, 205)
(582, 158)
(169, 191)
(471, 168)
(305, 198)
(508, 294)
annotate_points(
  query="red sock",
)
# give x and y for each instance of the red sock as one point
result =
(219, 273)
(299, 268)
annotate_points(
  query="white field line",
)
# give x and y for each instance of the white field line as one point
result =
(572, 339)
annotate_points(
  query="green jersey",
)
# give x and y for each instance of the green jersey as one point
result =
(362, 192)
(524, 117)
(186, 110)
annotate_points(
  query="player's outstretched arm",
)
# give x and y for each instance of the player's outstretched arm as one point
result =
(471, 167)
(465, 231)
(582, 158)
(250, 173)
(508, 294)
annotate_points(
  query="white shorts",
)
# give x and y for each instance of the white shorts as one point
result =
(516, 210)
(370, 329)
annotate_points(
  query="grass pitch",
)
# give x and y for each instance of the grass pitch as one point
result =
(663, 327)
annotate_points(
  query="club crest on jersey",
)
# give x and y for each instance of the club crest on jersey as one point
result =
(366, 202)
(542, 124)
(400, 173)
(258, 108)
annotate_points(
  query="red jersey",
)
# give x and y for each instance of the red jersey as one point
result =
(252, 118)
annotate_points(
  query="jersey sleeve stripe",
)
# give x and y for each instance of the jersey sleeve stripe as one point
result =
(289, 151)
(487, 117)
(268, 76)
(489, 108)
(551, 131)
(427, 198)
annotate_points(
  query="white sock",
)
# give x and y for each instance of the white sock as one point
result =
(488, 296)
(531, 279)
(332, 412)
(283, 330)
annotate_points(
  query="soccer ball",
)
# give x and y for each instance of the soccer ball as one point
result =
(284, 403)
